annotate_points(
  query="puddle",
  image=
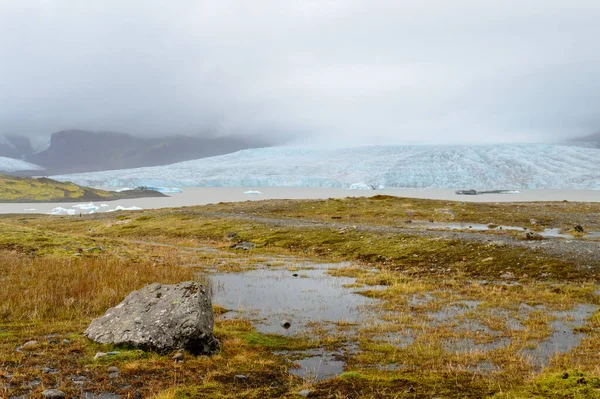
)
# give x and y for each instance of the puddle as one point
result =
(317, 364)
(307, 297)
(547, 233)
(563, 338)
(269, 296)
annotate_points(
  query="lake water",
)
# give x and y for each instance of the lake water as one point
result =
(210, 195)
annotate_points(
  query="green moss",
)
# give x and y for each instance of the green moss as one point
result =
(279, 342)
(570, 384)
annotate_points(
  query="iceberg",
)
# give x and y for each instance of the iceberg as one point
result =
(87, 207)
(482, 167)
(59, 210)
(122, 208)
(252, 192)
(361, 186)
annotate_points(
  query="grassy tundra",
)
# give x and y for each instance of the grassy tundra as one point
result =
(462, 312)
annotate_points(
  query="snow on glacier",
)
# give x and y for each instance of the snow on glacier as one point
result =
(13, 165)
(511, 167)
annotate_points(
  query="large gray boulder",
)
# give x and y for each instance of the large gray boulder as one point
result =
(161, 318)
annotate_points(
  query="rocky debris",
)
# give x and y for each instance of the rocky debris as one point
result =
(240, 377)
(34, 384)
(53, 394)
(535, 222)
(178, 357)
(26, 345)
(113, 372)
(103, 395)
(286, 324)
(162, 318)
(578, 228)
(231, 236)
(50, 370)
(305, 393)
(244, 245)
(95, 249)
(507, 275)
(79, 379)
(66, 342)
(532, 236)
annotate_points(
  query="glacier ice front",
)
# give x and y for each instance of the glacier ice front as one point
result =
(480, 167)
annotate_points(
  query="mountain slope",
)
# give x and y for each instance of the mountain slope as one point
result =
(13, 165)
(481, 167)
(26, 189)
(72, 151)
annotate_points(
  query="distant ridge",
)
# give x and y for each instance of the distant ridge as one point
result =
(73, 151)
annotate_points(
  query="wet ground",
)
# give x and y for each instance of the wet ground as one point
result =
(314, 303)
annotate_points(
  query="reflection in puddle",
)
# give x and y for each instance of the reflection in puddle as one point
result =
(268, 296)
(308, 298)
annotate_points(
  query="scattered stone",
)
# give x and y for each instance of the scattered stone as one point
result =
(534, 222)
(53, 394)
(79, 379)
(244, 245)
(578, 228)
(305, 392)
(27, 344)
(95, 249)
(231, 236)
(487, 259)
(113, 372)
(178, 357)
(530, 236)
(240, 377)
(161, 318)
(66, 342)
(34, 384)
(286, 324)
(50, 370)
(507, 276)
(103, 395)
(98, 355)
(295, 275)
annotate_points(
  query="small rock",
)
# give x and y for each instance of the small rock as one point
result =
(286, 324)
(50, 370)
(27, 345)
(113, 369)
(530, 236)
(79, 379)
(95, 249)
(305, 392)
(178, 357)
(66, 342)
(295, 275)
(98, 355)
(113, 376)
(53, 394)
(245, 245)
(240, 377)
(231, 235)
(33, 384)
(578, 228)
(507, 276)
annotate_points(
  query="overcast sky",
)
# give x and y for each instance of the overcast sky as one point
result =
(337, 71)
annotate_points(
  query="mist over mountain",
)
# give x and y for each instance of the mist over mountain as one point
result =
(72, 151)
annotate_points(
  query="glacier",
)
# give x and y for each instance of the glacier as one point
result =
(507, 166)
(13, 165)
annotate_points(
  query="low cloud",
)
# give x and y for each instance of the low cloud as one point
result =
(327, 71)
